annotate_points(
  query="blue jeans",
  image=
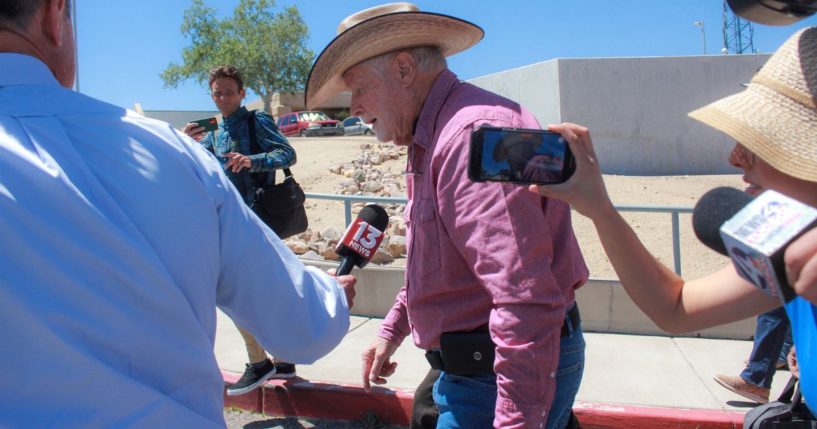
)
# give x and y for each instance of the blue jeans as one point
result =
(468, 401)
(772, 335)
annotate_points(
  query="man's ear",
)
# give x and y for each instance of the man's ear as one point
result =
(55, 17)
(406, 68)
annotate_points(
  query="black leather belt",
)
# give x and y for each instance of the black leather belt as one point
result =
(480, 362)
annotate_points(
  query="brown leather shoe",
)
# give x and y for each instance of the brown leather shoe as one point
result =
(742, 388)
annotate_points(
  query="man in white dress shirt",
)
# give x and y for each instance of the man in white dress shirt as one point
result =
(120, 237)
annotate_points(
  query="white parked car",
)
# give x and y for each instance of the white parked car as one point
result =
(354, 126)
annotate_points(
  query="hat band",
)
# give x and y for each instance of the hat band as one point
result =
(788, 91)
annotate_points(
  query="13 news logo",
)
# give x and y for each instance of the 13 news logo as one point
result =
(365, 239)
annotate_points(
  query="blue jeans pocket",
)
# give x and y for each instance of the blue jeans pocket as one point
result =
(477, 384)
(465, 401)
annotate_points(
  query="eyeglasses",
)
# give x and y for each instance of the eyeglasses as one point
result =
(742, 156)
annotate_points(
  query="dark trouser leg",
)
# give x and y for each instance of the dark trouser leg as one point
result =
(770, 334)
(424, 411)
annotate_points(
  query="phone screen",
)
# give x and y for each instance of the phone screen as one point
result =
(519, 156)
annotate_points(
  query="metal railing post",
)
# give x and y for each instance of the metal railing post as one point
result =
(676, 242)
(347, 211)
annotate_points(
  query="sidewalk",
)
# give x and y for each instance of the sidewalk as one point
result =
(629, 380)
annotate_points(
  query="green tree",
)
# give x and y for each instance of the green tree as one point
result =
(269, 48)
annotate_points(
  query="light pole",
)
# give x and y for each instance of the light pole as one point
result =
(700, 24)
(76, 44)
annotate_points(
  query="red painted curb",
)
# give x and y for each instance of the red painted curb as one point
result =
(602, 416)
(297, 397)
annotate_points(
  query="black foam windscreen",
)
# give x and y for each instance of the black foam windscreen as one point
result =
(375, 216)
(773, 12)
(713, 210)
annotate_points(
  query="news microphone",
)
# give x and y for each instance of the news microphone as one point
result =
(361, 238)
(713, 210)
(754, 232)
(773, 12)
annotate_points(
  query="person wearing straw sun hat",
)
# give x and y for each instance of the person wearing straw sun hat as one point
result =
(774, 121)
(486, 303)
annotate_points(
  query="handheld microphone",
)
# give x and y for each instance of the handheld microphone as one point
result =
(754, 233)
(713, 210)
(773, 12)
(361, 238)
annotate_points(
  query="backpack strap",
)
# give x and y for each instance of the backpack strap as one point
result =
(255, 148)
(789, 390)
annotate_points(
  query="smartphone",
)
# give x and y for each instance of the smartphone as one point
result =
(209, 124)
(519, 155)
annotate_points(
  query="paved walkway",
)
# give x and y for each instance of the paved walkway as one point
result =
(623, 372)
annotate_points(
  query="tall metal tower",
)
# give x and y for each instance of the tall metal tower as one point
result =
(738, 34)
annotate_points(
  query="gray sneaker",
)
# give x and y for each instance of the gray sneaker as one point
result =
(254, 376)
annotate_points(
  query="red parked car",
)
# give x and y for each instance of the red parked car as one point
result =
(306, 124)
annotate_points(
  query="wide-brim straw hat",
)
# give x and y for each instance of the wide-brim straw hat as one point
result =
(776, 115)
(379, 30)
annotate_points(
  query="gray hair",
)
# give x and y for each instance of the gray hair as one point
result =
(427, 58)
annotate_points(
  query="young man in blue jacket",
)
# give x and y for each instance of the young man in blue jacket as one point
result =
(232, 144)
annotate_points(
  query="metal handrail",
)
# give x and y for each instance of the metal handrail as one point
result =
(676, 229)
(674, 212)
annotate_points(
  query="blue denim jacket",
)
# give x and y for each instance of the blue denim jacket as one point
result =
(233, 135)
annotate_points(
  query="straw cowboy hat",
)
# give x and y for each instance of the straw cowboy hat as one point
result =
(776, 116)
(381, 29)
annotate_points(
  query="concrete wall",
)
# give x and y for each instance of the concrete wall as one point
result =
(604, 305)
(532, 86)
(636, 108)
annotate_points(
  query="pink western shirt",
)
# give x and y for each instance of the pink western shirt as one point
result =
(484, 253)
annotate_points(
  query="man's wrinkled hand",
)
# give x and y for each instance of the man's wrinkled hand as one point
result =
(377, 365)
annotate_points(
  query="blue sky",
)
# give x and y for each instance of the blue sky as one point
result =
(124, 46)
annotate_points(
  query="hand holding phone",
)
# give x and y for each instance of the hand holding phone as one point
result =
(585, 190)
(519, 155)
(209, 124)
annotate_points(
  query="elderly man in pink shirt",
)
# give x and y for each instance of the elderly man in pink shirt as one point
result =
(492, 268)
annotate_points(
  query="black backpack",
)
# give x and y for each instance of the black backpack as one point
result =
(787, 412)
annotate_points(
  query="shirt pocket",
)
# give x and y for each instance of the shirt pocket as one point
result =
(426, 238)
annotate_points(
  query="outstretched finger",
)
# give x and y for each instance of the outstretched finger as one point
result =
(376, 372)
(368, 359)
